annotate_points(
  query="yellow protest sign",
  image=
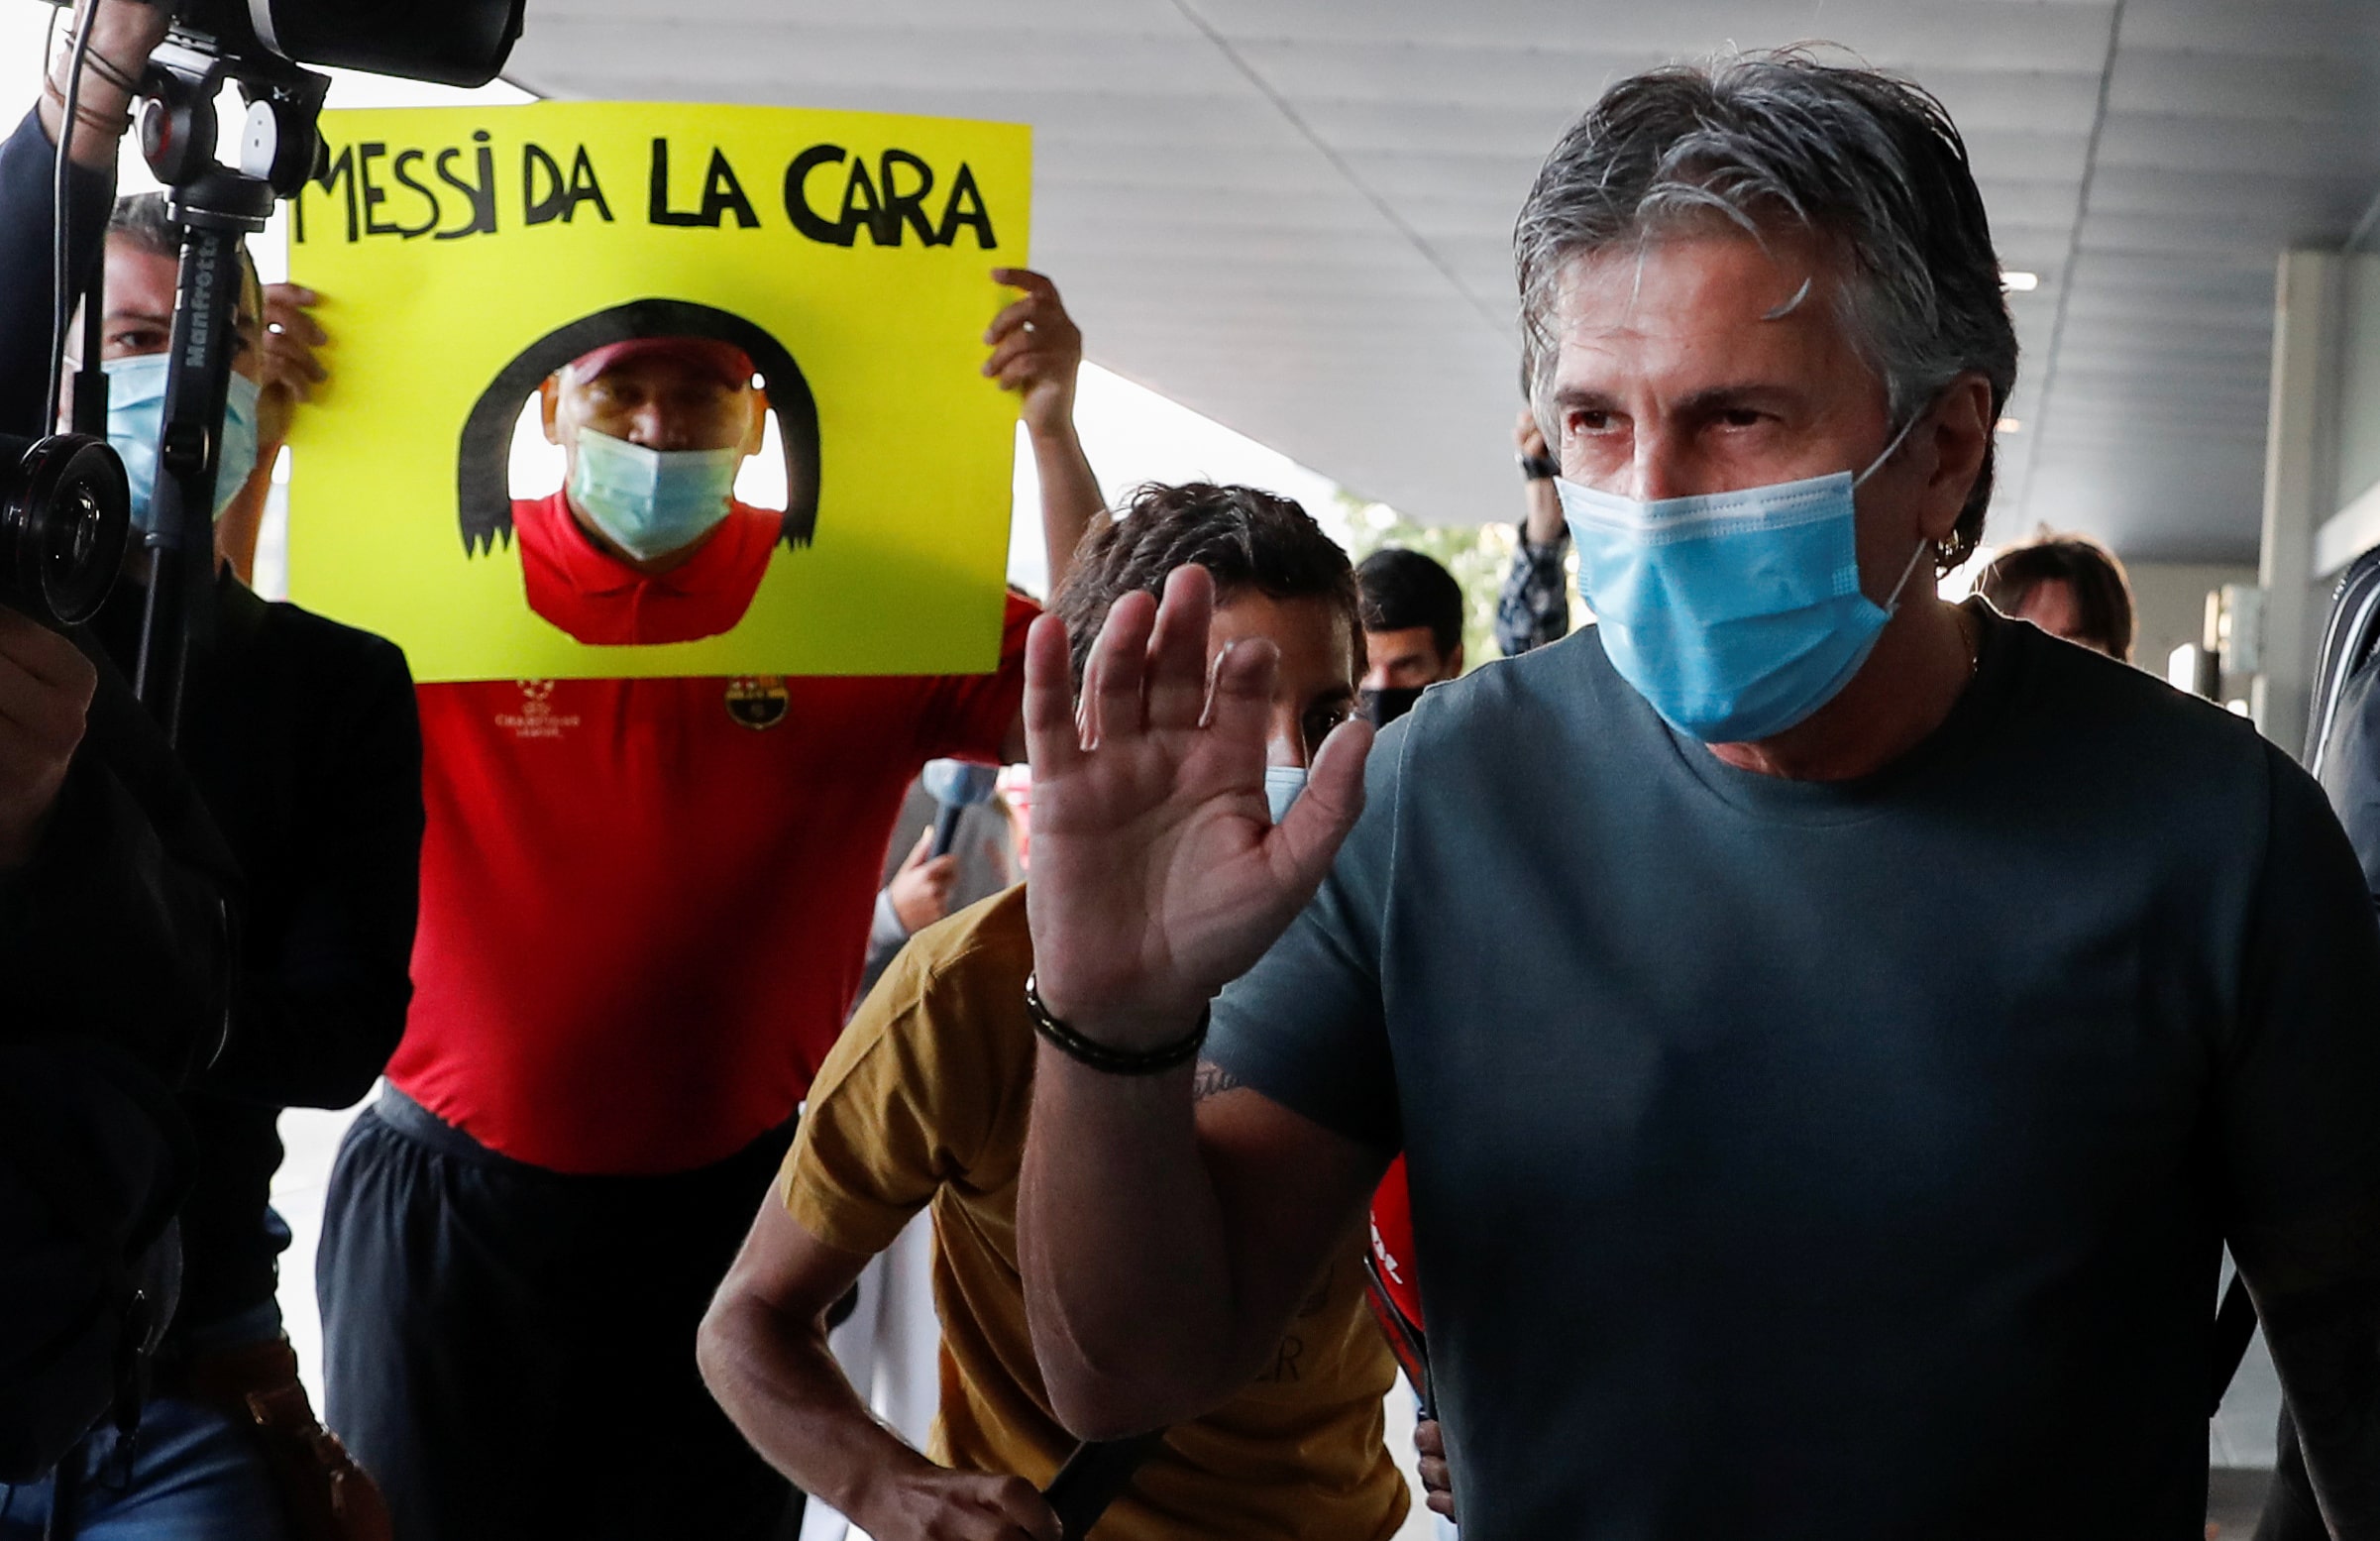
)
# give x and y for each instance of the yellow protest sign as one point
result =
(464, 255)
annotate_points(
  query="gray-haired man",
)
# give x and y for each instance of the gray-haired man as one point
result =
(1827, 1076)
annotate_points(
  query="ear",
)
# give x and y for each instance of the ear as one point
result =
(1454, 663)
(1959, 430)
(756, 431)
(549, 400)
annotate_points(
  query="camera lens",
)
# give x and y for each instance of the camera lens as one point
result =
(65, 512)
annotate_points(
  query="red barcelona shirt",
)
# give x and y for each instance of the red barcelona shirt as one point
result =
(599, 599)
(645, 903)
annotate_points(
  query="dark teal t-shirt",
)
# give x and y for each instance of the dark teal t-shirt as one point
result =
(1841, 1160)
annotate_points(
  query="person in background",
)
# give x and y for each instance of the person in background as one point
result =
(917, 891)
(923, 1106)
(302, 740)
(601, 557)
(1829, 1115)
(1412, 640)
(1412, 630)
(1534, 608)
(2069, 586)
(921, 888)
(645, 909)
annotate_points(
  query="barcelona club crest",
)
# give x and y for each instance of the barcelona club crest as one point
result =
(757, 701)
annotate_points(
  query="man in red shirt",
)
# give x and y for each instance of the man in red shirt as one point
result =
(644, 540)
(645, 904)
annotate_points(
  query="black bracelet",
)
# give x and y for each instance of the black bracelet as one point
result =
(1538, 467)
(1105, 1056)
(101, 65)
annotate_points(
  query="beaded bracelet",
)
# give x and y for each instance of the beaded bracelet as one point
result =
(1105, 1056)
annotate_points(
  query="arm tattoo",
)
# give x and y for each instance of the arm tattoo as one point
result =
(1212, 1080)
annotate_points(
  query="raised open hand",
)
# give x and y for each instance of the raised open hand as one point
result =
(1158, 876)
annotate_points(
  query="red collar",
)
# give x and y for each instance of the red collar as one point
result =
(599, 599)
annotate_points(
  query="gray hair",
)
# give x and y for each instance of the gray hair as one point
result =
(1871, 164)
(141, 219)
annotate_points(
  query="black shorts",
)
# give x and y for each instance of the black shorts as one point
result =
(511, 1351)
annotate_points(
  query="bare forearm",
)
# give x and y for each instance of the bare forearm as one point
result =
(2326, 1346)
(99, 108)
(782, 1387)
(122, 36)
(1163, 1245)
(1118, 1228)
(1544, 524)
(1071, 495)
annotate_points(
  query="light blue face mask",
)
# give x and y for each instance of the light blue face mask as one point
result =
(650, 503)
(1735, 614)
(1282, 784)
(136, 423)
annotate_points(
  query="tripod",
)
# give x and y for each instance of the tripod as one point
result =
(216, 206)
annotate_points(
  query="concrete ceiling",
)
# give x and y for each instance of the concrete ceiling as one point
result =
(1293, 215)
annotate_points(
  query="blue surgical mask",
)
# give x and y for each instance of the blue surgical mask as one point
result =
(136, 423)
(1282, 784)
(1735, 614)
(650, 503)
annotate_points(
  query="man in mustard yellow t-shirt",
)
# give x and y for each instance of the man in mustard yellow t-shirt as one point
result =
(923, 1104)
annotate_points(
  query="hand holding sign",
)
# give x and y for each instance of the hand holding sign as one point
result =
(1036, 351)
(291, 370)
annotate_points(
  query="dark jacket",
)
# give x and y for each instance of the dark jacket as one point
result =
(25, 164)
(120, 914)
(303, 740)
(119, 925)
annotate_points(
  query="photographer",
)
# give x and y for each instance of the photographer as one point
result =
(114, 900)
(302, 737)
(115, 895)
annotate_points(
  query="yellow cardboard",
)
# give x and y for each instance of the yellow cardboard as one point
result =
(447, 242)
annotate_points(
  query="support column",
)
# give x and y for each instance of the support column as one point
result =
(2298, 485)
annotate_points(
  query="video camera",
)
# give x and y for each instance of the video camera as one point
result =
(64, 515)
(450, 42)
(63, 509)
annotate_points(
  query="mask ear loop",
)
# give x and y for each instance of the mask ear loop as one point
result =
(1892, 600)
(1891, 450)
